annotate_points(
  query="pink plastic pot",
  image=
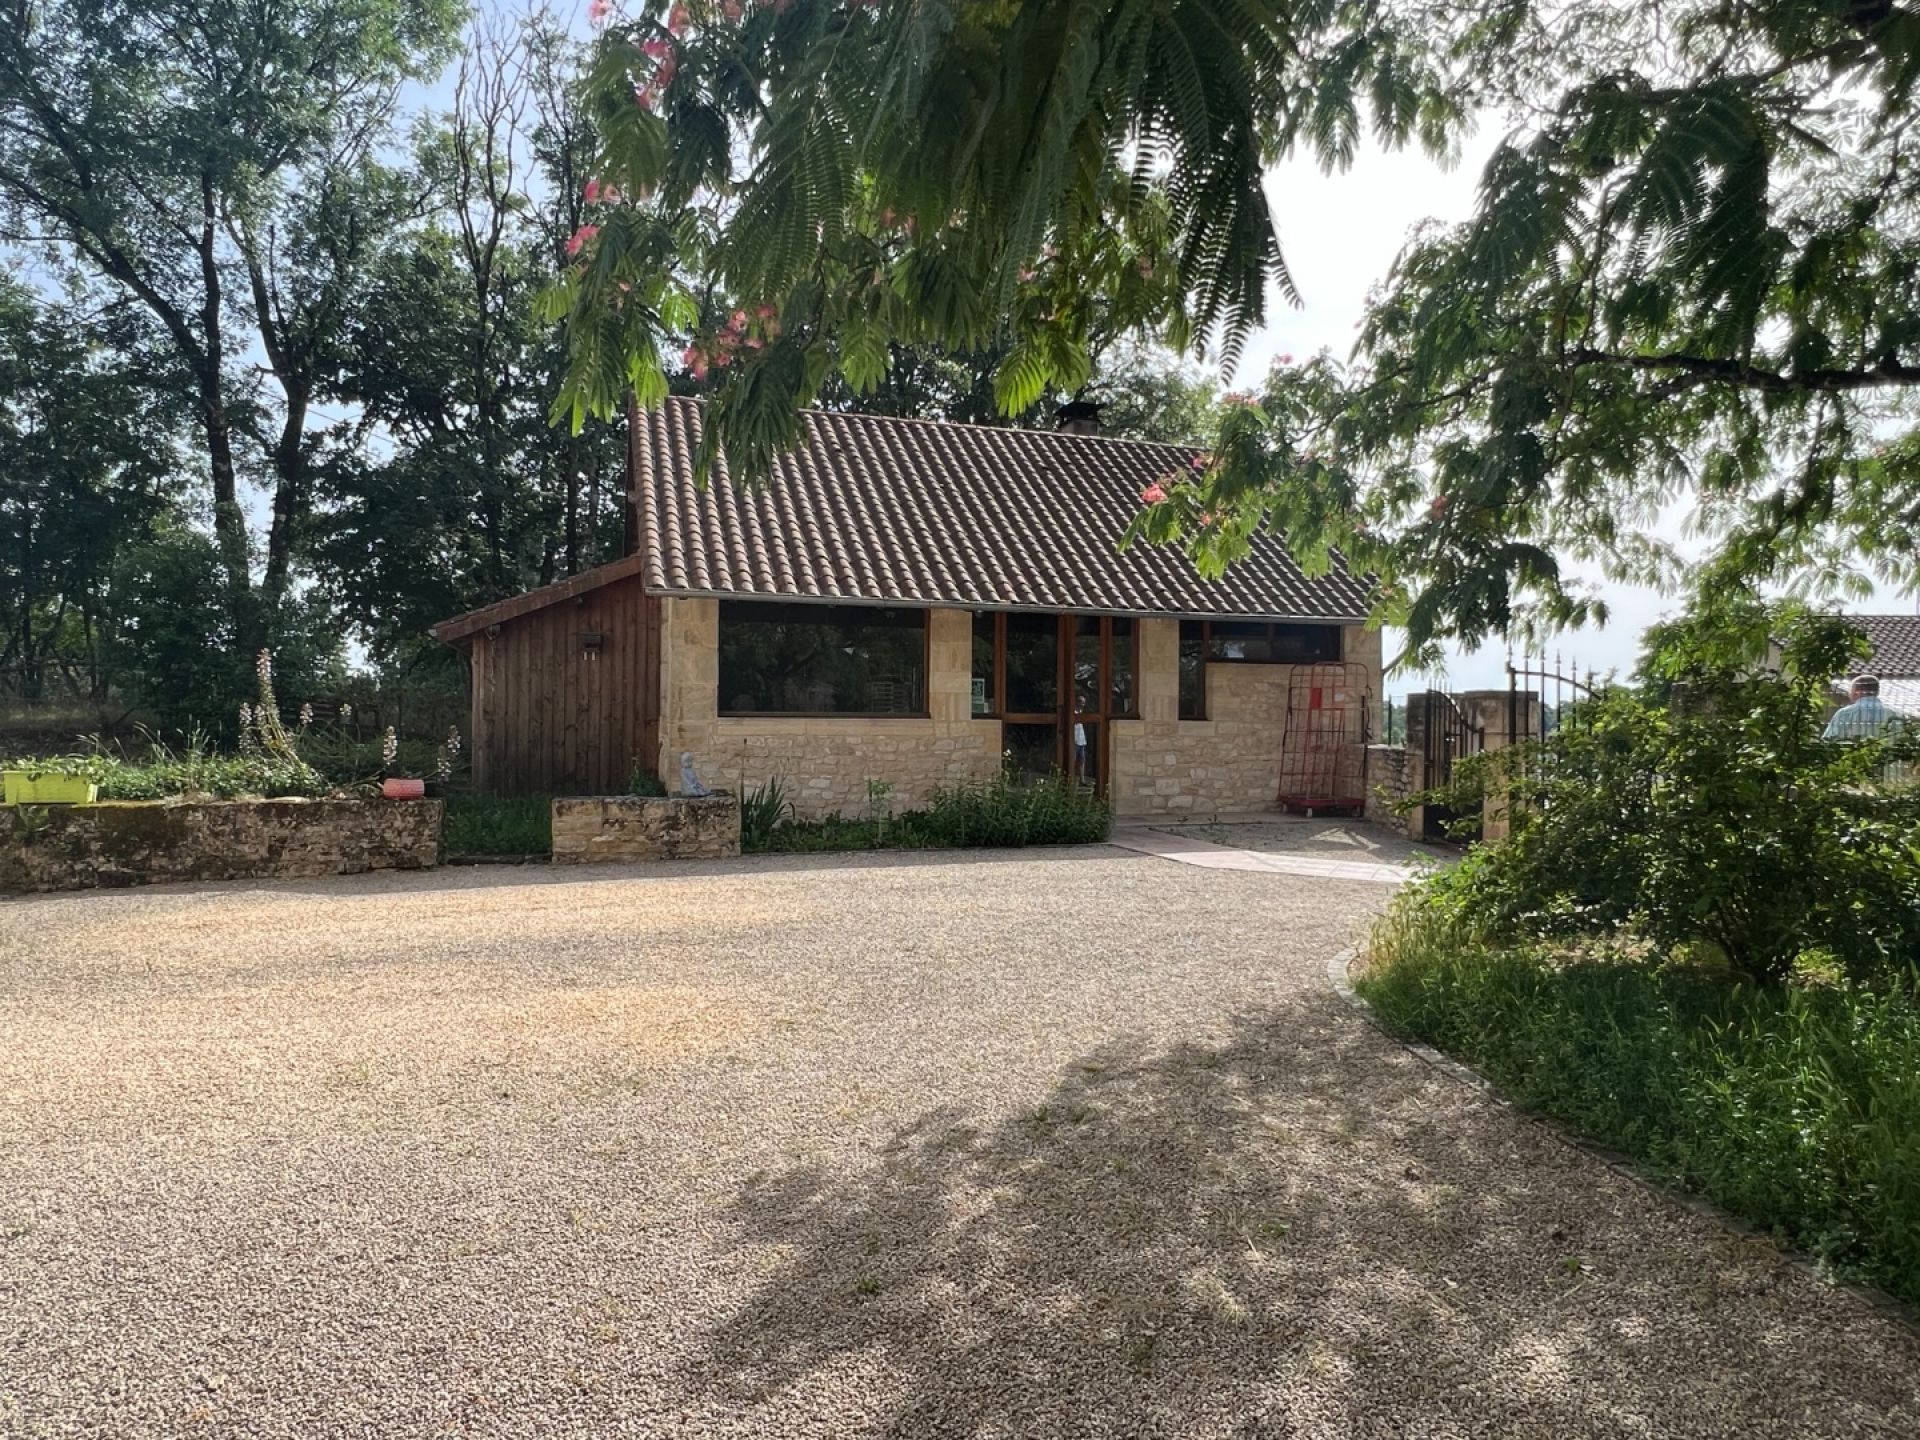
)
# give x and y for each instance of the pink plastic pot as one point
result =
(398, 789)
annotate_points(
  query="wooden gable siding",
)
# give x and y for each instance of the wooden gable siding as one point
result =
(553, 717)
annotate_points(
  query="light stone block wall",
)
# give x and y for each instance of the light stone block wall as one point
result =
(645, 827)
(1163, 765)
(1389, 782)
(823, 763)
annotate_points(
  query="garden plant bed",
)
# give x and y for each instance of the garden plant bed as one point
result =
(145, 842)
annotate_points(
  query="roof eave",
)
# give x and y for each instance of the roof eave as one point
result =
(460, 630)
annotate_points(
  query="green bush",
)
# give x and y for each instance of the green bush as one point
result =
(1795, 1105)
(762, 809)
(194, 772)
(1711, 814)
(999, 812)
(498, 825)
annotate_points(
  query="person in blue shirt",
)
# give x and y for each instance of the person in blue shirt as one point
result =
(1867, 718)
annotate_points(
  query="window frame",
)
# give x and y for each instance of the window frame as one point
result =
(1063, 658)
(925, 712)
(1206, 646)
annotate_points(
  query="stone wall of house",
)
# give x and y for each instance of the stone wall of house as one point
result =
(825, 763)
(1229, 761)
(637, 827)
(77, 847)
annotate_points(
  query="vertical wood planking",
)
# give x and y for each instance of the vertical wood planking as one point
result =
(550, 716)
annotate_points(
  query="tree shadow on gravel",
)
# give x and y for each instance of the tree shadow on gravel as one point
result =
(1300, 1231)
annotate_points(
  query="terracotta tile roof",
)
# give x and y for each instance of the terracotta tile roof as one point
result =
(1896, 643)
(873, 508)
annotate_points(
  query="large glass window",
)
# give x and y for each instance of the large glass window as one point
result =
(1126, 699)
(1269, 643)
(821, 659)
(1193, 669)
(1033, 663)
(986, 697)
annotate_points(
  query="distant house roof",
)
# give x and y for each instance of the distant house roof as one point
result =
(876, 509)
(1896, 644)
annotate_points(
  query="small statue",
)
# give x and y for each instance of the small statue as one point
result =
(689, 781)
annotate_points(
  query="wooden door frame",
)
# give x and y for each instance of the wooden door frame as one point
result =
(1065, 714)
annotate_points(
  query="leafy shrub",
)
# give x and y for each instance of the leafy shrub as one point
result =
(999, 812)
(347, 759)
(642, 781)
(761, 811)
(1713, 815)
(1004, 812)
(498, 825)
(194, 772)
(1795, 1105)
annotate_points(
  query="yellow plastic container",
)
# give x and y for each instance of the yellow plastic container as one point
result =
(24, 787)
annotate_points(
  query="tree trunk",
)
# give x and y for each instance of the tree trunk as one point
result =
(290, 487)
(229, 521)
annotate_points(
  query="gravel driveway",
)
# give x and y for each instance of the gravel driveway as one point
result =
(1066, 1144)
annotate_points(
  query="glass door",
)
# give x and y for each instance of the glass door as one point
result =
(1056, 682)
(1031, 717)
(1086, 687)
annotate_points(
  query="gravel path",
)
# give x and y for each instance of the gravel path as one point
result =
(1007, 1145)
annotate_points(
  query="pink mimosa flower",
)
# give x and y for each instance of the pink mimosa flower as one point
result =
(593, 192)
(1200, 461)
(677, 20)
(655, 48)
(599, 12)
(1153, 494)
(578, 240)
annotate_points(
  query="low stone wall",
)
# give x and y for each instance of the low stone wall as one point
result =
(645, 827)
(148, 842)
(1389, 781)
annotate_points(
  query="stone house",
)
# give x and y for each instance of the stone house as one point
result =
(915, 604)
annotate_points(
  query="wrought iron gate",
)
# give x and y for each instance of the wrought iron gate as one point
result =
(1449, 734)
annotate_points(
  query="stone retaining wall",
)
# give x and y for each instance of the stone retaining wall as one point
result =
(1389, 781)
(147, 842)
(645, 827)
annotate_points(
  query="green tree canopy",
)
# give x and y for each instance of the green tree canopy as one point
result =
(216, 161)
(1689, 280)
(970, 174)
